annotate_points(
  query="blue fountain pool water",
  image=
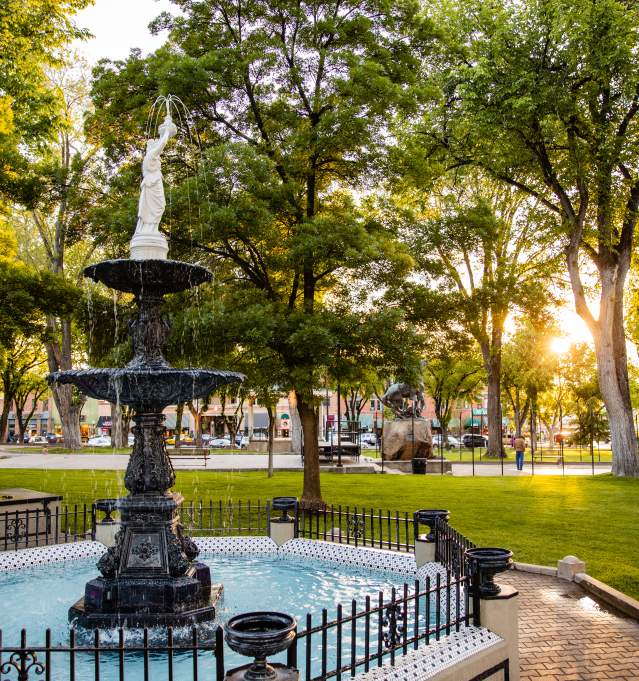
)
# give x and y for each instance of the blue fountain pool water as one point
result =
(39, 598)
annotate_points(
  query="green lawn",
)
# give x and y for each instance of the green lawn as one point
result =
(541, 519)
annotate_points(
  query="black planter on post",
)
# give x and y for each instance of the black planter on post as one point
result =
(284, 528)
(429, 516)
(258, 635)
(284, 504)
(485, 563)
(107, 506)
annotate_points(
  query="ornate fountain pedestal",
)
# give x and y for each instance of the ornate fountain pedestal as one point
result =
(149, 576)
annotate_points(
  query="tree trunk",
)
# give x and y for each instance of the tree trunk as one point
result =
(612, 369)
(4, 419)
(296, 424)
(271, 429)
(519, 414)
(119, 433)
(610, 346)
(232, 426)
(69, 407)
(197, 417)
(495, 445)
(311, 494)
(20, 424)
(68, 400)
(179, 412)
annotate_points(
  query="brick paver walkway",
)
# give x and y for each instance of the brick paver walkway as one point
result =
(564, 635)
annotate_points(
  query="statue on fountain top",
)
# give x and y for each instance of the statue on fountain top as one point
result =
(147, 242)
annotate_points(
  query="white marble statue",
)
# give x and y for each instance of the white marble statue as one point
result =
(147, 242)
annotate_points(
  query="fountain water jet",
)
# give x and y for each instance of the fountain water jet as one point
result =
(150, 576)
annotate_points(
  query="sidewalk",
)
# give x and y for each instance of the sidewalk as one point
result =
(565, 635)
(11, 458)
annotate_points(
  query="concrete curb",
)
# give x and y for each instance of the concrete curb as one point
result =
(616, 599)
(626, 604)
(535, 569)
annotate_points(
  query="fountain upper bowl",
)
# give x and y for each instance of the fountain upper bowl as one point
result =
(154, 277)
(146, 388)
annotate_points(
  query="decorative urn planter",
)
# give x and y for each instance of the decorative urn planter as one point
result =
(485, 563)
(258, 635)
(107, 506)
(284, 504)
(429, 516)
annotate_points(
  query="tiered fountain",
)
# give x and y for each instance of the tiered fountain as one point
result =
(149, 576)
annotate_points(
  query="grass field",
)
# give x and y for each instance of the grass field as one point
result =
(541, 519)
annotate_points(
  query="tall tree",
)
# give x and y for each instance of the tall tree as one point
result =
(31, 389)
(453, 372)
(288, 101)
(32, 33)
(18, 369)
(528, 368)
(60, 217)
(485, 250)
(554, 87)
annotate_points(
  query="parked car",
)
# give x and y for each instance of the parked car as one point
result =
(220, 442)
(100, 441)
(130, 439)
(474, 440)
(38, 440)
(225, 442)
(369, 439)
(54, 439)
(438, 439)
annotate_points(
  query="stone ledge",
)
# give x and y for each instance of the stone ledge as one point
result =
(536, 569)
(619, 600)
(460, 656)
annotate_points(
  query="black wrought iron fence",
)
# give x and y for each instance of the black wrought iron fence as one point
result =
(102, 660)
(450, 547)
(41, 527)
(218, 518)
(357, 639)
(385, 529)
(361, 638)
(358, 526)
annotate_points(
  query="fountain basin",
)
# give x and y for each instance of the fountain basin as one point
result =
(146, 389)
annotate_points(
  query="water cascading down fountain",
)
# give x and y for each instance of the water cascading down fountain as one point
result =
(149, 576)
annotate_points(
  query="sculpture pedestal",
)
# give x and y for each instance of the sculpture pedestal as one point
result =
(406, 439)
(149, 577)
(149, 247)
(434, 466)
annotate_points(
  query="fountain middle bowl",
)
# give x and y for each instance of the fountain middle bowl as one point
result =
(146, 388)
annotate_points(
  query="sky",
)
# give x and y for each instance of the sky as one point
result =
(120, 25)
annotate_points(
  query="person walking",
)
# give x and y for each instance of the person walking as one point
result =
(520, 448)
